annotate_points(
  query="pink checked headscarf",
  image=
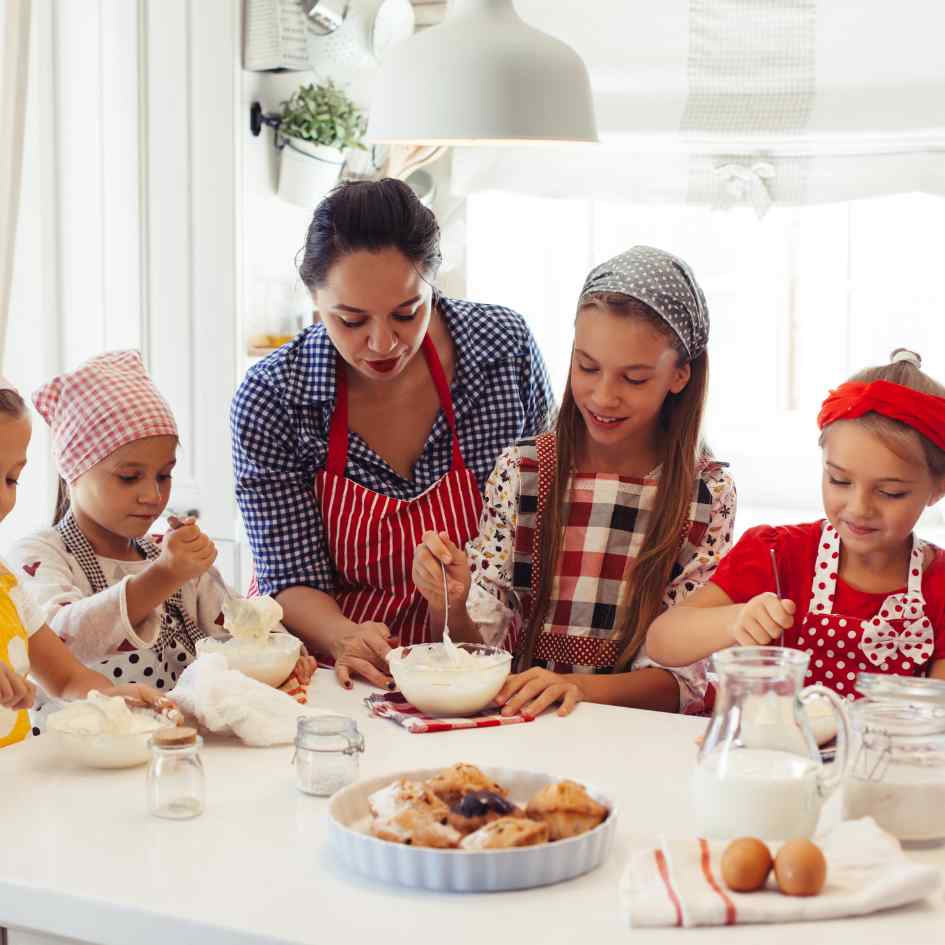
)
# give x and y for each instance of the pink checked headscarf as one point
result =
(107, 402)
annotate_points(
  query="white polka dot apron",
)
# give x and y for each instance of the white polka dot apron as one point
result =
(14, 651)
(372, 537)
(898, 640)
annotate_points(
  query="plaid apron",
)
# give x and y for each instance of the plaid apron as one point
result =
(606, 521)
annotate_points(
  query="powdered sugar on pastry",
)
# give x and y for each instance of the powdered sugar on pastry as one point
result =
(406, 795)
(506, 832)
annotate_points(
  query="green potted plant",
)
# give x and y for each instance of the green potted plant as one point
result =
(316, 125)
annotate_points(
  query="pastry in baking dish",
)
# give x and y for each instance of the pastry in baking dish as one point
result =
(566, 808)
(407, 795)
(478, 808)
(506, 832)
(451, 784)
(414, 827)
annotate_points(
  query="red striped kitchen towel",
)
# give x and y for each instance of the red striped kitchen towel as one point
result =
(393, 706)
(680, 884)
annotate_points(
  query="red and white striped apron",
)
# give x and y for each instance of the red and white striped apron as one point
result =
(372, 537)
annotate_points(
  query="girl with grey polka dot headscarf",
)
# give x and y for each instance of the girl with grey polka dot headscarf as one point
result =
(655, 287)
(664, 283)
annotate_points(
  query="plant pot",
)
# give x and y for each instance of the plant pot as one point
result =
(307, 171)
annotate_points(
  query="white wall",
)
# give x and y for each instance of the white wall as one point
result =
(130, 230)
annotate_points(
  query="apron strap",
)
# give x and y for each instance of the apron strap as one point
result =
(338, 430)
(176, 623)
(446, 399)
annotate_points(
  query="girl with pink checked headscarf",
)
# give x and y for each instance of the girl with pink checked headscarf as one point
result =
(28, 647)
(129, 605)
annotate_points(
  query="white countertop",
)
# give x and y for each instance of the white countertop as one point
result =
(81, 858)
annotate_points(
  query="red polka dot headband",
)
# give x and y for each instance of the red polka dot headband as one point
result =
(925, 413)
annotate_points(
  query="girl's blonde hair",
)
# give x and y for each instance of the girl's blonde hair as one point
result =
(649, 575)
(904, 368)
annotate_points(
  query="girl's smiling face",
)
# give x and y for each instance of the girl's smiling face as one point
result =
(128, 490)
(622, 370)
(376, 308)
(15, 435)
(872, 495)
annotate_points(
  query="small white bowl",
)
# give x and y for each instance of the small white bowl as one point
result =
(103, 750)
(465, 870)
(269, 663)
(451, 691)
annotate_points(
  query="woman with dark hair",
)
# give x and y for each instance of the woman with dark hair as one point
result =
(374, 426)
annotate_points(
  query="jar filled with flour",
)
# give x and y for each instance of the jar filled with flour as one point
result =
(759, 772)
(897, 775)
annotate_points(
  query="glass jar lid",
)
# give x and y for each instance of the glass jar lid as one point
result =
(328, 733)
(909, 690)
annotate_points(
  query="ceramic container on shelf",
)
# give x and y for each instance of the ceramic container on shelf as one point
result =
(307, 171)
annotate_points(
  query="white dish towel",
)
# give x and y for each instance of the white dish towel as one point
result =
(680, 883)
(225, 701)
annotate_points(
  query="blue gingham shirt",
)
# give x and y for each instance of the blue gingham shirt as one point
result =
(282, 411)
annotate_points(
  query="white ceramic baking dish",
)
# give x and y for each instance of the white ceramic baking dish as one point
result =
(466, 870)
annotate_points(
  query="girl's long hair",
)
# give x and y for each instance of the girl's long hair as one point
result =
(62, 502)
(647, 578)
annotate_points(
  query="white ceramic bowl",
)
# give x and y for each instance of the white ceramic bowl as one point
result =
(103, 750)
(270, 663)
(465, 870)
(447, 691)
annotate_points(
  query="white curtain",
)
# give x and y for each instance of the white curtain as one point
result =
(715, 102)
(14, 67)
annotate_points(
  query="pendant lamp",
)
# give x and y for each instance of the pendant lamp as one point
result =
(483, 76)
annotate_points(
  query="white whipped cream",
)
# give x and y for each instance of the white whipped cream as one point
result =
(252, 619)
(104, 715)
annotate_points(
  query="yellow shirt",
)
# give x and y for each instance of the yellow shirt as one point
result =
(19, 618)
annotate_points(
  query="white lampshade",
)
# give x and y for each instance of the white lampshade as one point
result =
(483, 76)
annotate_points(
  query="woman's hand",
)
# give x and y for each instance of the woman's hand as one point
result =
(762, 620)
(428, 560)
(363, 652)
(531, 692)
(16, 691)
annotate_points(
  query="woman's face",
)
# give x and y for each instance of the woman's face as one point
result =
(376, 308)
(622, 369)
(128, 490)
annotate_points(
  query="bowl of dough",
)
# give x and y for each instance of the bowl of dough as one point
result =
(449, 679)
(256, 647)
(104, 732)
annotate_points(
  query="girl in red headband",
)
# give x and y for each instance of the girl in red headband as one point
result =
(860, 591)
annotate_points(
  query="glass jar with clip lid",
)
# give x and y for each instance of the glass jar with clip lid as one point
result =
(326, 753)
(897, 776)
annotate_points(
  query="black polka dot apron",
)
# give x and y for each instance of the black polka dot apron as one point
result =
(161, 665)
(898, 640)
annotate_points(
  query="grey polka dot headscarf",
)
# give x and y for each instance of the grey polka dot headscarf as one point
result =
(661, 281)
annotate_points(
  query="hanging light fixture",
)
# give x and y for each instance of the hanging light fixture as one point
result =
(483, 76)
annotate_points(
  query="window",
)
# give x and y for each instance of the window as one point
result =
(798, 301)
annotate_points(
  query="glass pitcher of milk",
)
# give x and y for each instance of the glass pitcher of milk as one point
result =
(759, 772)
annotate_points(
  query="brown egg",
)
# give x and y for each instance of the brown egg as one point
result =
(746, 863)
(800, 868)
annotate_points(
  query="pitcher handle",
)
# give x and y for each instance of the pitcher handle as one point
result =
(827, 784)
